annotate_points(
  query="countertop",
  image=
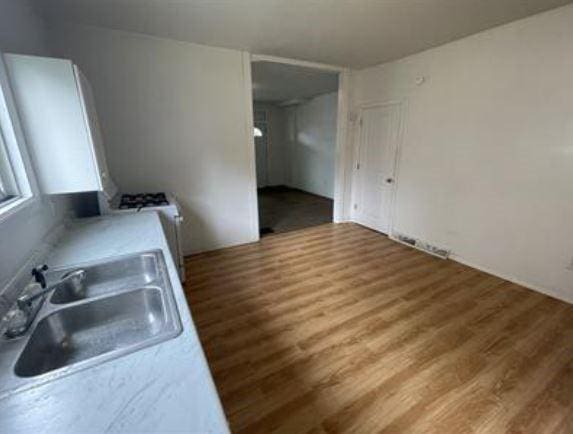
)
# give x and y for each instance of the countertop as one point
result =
(163, 388)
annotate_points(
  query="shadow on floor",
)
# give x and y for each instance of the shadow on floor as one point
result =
(284, 209)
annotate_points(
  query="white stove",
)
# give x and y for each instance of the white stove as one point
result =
(167, 207)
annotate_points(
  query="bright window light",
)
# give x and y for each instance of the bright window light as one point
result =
(258, 132)
(15, 188)
(8, 186)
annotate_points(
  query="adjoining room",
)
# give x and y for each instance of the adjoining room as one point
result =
(295, 119)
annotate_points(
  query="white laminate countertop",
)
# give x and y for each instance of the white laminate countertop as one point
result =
(163, 388)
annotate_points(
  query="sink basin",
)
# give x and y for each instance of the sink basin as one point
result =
(132, 272)
(126, 305)
(116, 324)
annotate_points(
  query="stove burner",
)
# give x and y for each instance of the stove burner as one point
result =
(142, 200)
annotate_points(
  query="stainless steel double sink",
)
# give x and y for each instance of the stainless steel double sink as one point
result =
(127, 305)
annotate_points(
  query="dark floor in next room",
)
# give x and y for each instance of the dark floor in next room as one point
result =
(284, 209)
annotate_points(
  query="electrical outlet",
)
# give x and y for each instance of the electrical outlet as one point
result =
(570, 266)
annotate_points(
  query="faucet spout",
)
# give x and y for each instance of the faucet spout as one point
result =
(23, 316)
(75, 277)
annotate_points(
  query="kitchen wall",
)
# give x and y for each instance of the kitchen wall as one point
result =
(311, 130)
(22, 31)
(486, 164)
(174, 118)
(302, 144)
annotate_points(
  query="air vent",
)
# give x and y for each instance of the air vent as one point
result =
(434, 250)
(421, 245)
(405, 239)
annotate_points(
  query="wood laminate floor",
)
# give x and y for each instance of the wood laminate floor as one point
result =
(339, 329)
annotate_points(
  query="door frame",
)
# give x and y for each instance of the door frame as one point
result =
(356, 135)
(343, 151)
(268, 143)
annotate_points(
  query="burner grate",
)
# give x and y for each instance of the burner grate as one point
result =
(143, 200)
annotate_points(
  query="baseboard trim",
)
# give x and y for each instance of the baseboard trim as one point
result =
(546, 291)
(455, 257)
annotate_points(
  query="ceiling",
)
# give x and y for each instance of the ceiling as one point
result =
(280, 83)
(354, 33)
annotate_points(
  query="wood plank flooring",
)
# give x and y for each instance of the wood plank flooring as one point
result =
(339, 329)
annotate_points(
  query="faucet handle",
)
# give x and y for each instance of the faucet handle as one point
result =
(38, 273)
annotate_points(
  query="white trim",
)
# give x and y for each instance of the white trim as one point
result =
(457, 258)
(13, 206)
(250, 145)
(354, 135)
(342, 193)
(14, 137)
(547, 291)
(296, 62)
(14, 141)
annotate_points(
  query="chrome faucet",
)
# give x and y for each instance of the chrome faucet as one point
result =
(75, 277)
(22, 317)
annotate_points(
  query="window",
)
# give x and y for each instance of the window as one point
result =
(15, 187)
(8, 186)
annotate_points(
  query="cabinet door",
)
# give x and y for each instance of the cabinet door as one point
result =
(94, 132)
(50, 107)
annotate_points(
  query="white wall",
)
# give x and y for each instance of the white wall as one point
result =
(302, 144)
(487, 152)
(21, 31)
(174, 118)
(21, 28)
(312, 144)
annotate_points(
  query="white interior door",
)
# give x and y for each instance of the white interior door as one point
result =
(262, 155)
(375, 166)
(261, 148)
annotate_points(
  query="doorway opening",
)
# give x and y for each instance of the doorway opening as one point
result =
(295, 117)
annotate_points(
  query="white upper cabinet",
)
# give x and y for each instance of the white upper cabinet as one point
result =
(58, 115)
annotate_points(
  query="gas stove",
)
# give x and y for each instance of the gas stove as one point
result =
(165, 204)
(142, 200)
